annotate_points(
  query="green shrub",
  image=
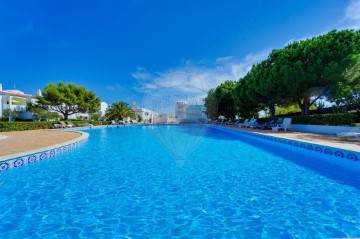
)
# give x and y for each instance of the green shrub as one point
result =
(325, 119)
(264, 120)
(20, 126)
(79, 123)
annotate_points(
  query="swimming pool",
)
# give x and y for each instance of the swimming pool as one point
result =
(132, 181)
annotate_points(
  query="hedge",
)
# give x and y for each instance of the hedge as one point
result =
(21, 126)
(264, 120)
(79, 123)
(324, 119)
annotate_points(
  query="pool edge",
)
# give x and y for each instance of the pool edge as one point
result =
(23, 158)
(300, 144)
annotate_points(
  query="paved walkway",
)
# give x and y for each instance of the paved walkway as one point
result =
(323, 139)
(21, 141)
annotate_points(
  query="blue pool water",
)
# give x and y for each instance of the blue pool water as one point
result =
(188, 181)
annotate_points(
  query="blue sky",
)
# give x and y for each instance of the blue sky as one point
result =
(123, 49)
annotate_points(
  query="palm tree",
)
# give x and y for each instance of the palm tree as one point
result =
(119, 110)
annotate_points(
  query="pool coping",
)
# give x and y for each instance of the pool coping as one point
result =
(299, 144)
(31, 156)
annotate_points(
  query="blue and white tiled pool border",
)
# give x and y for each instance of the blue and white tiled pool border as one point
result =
(33, 156)
(299, 144)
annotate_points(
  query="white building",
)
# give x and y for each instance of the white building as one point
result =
(147, 115)
(187, 113)
(165, 119)
(180, 109)
(15, 100)
(103, 107)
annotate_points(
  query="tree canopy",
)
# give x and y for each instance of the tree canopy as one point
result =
(40, 113)
(119, 110)
(68, 99)
(301, 73)
(220, 101)
(310, 68)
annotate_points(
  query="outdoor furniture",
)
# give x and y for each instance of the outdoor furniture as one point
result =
(231, 122)
(57, 126)
(355, 133)
(266, 125)
(285, 125)
(62, 124)
(253, 124)
(248, 124)
(278, 122)
(234, 122)
(243, 123)
(227, 122)
(216, 122)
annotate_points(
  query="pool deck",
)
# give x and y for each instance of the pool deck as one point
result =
(18, 142)
(327, 140)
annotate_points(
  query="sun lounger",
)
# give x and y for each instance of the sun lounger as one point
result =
(285, 125)
(227, 122)
(252, 124)
(234, 122)
(57, 126)
(266, 125)
(243, 124)
(220, 122)
(62, 124)
(249, 123)
(355, 133)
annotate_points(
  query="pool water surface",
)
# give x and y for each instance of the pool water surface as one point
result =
(180, 181)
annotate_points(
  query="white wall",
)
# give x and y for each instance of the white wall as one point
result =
(321, 129)
(103, 108)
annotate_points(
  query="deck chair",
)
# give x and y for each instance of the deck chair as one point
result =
(355, 133)
(248, 124)
(62, 124)
(243, 124)
(285, 125)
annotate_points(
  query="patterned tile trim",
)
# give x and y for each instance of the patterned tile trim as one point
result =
(39, 156)
(89, 127)
(321, 149)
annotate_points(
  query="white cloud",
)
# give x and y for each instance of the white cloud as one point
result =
(141, 74)
(352, 15)
(195, 78)
(190, 81)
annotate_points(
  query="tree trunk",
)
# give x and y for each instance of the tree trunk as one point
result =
(272, 110)
(66, 116)
(305, 106)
